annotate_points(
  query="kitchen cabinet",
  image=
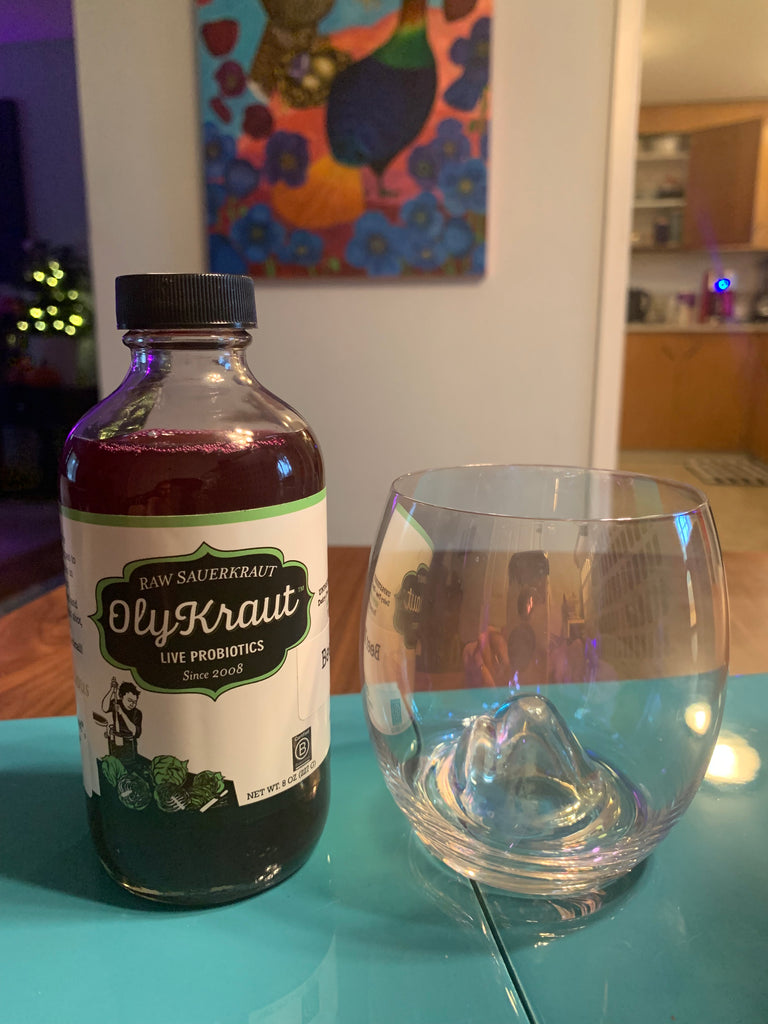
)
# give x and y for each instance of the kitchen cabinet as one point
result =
(702, 188)
(727, 187)
(758, 424)
(661, 174)
(692, 391)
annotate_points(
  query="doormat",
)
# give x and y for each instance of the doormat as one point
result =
(729, 470)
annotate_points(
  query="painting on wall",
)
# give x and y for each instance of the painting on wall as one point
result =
(345, 138)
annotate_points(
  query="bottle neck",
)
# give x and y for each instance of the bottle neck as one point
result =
(212, 356)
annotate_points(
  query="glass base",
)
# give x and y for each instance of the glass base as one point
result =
(515, 802)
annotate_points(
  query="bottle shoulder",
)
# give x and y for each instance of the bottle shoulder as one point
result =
(175, 450)
(190, 405)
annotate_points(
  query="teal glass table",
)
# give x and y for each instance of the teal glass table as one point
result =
(372, 929)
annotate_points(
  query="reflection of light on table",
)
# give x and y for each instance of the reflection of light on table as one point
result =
(734, 761)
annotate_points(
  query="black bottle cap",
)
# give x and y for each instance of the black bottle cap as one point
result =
(166, 301)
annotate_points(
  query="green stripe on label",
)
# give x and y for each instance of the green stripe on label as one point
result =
(208, 519)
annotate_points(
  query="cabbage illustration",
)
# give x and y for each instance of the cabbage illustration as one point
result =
(205, 786)
(134, 791)
(168, 770)
(171, 798)
(112, 769)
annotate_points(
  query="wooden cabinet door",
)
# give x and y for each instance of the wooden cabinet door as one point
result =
(757, 443)
(713, 390)
(689, 392)
(648, 405)
(722, 181)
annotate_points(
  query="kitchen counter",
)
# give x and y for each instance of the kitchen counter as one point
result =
(729, 328)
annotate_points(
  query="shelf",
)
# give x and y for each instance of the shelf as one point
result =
(659, 204)
(661, 157)
(671, 247)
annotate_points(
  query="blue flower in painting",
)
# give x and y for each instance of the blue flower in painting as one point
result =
(458, 237)
(422, 216)
(218, 150)
(302, 249)
(256, 234)
(375, 246)
(450, 145)
(240, 178)
(477, 263)
(286, 159)
(215, 197)
(424, 253)
(464, 187)
(474, 55)
(225, 259)
(424, 166)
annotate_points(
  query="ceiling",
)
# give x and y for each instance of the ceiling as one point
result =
(693, 50)
(705, 50)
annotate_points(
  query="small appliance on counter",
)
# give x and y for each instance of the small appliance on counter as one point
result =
(638, 305)
(684, 306)
(717, 296)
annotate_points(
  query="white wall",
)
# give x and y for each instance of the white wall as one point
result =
(393, 377)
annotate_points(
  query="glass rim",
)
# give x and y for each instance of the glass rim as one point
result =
(697, 501)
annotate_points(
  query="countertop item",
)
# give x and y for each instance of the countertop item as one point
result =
(372, 929)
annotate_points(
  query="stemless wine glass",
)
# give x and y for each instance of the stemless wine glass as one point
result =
(544, 656)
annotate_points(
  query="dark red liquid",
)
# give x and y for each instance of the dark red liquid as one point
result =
(236, 851)
(167, 472)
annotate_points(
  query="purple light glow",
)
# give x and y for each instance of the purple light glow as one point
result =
(33, 22)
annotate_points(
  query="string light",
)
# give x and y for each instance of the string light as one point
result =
(58, 307)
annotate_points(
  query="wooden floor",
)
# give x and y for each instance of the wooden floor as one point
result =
(746, 574)
(30, 549)
(36, 667)
(741, 515)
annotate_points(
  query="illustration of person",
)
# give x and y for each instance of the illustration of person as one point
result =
(124, 728)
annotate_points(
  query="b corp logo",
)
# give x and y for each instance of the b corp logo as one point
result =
(302, 748)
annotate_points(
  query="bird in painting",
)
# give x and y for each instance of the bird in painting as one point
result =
(378, 105)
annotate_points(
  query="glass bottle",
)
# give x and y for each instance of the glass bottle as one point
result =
(193, 518)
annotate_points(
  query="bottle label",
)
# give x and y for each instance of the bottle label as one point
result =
(200, 648)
